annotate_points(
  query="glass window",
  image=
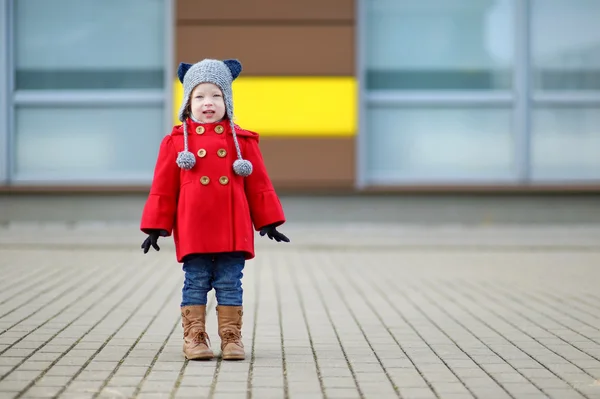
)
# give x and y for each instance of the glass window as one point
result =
(439, 143)
(565, 138)
(566, 142)
(4, 93)
(89, 44)
(91, 59)
(87, 143)
(439, 45)
(566, 44)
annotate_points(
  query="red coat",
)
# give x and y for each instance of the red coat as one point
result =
(209, 208)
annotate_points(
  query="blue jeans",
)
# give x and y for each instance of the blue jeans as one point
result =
(222, 271)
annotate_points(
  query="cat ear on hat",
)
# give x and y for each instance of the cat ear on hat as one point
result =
(182, 70)
(234, 66)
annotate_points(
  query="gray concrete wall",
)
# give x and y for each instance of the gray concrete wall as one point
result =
(407, 209)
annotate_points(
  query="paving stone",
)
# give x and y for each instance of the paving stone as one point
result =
(9, 386)
(346, 393)
(125, 381)
(417, 393)
(465, 395)
(42, 392)
(563, 394)
(278, 394)
(117, 392)
(157, 386)
(34, 366)
(53, 381)
(338, 382)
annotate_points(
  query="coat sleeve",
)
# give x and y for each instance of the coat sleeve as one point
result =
(265, 207)
(160, 208)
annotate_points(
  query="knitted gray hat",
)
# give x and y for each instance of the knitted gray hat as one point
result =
(222, 74)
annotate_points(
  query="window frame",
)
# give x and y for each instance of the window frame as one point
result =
(76, 98)
(539, 98)
(523, 96)
(514, 98)
(5, 157)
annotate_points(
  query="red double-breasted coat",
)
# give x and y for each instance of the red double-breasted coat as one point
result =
(210, 209)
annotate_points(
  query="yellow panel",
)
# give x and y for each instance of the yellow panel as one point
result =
(292, 106)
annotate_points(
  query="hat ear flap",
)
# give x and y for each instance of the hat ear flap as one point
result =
(182, 70)
(234, 66)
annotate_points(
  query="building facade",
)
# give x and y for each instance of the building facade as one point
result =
(346, 94)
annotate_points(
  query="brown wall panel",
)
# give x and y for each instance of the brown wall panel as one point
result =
(272, 50)
(265, 10)
(307, 162)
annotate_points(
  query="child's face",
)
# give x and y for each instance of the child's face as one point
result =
(207, 103)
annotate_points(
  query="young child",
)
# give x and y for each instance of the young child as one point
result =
(209, 198)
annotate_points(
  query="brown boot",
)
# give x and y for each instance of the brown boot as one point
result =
(230, 331)
(195, 346)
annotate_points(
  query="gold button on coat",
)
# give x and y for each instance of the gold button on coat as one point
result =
(221, 153)
(200, 130)
(202, 153)
(205, 180)
(223, 180)
(219, 129)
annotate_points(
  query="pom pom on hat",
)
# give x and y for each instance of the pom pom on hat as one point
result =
(186, 160)
(242, 167)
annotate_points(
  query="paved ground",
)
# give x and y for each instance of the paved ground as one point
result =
(345, 311)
